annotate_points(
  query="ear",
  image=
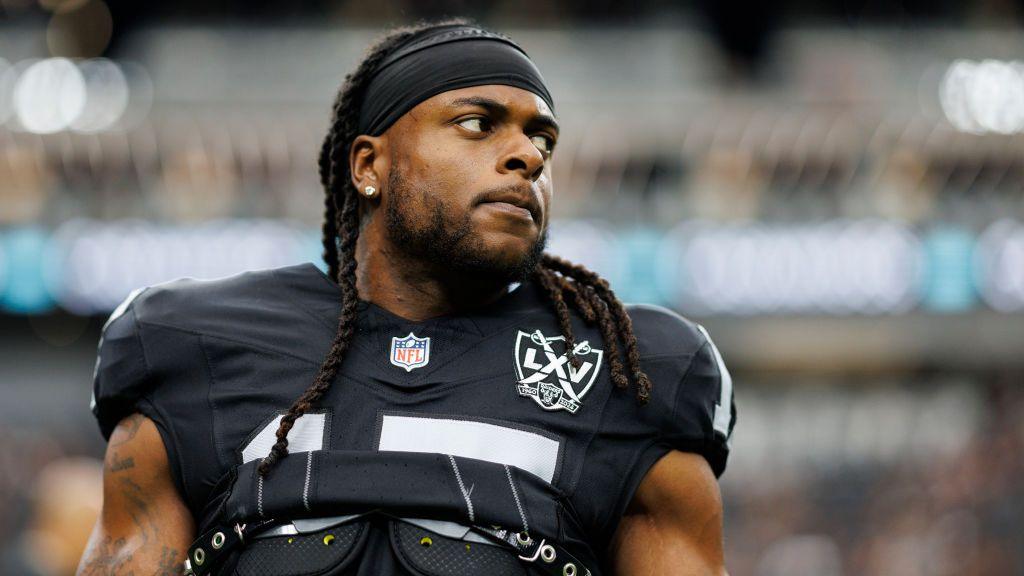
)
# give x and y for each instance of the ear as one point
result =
(366, 161)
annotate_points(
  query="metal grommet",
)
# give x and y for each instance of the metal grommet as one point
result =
(547, 553)
(217, 541)
(328, 539)
(569, 569)
(199, 556)
(426, 542)
(524, 538)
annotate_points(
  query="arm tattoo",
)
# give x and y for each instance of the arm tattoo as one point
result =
(107, 559)
(138, 509)
(108, 562)
(170, 562)
(120, 464)
(129, 427)
(108, 556)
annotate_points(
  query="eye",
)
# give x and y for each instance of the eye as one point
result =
(543, 142)
(475, 124)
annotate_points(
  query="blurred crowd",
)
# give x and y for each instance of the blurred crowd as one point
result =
(960, 514)
(50, 496)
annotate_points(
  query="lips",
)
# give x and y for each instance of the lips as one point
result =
(515, 200)
(511, 209)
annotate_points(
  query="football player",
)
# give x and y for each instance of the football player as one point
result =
(447, 399)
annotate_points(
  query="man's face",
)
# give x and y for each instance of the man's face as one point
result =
(469, 180)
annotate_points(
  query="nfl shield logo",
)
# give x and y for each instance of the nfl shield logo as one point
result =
(410, 352)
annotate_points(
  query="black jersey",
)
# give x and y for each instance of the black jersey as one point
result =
(216, 363)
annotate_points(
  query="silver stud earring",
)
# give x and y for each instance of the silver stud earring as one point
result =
(370, 190)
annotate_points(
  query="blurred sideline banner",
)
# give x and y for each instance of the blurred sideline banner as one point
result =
(868, 267)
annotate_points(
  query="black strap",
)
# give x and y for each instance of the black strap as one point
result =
(208, 552)
(544, 556)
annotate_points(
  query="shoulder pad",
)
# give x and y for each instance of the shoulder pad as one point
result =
(132, 357)
(121, 374)
(692, 388)
(662, 331)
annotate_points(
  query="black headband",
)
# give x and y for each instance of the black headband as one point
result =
(443, 59)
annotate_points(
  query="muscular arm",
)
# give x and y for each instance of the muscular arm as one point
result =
(673, 526)
(144, 527)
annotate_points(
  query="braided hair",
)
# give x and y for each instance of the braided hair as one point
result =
(565, 283)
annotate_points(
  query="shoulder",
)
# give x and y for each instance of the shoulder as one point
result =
(690, 413)
(195, 305)
(692, 390)
(156, 338)
(660, 331)
(679, 356)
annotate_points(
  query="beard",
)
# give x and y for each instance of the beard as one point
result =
(449, 242)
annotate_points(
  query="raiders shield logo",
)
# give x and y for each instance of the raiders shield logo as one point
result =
(546, 375)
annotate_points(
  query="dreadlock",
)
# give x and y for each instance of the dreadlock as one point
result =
(566, 284)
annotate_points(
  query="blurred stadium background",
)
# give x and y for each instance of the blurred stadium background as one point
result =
(835, 189)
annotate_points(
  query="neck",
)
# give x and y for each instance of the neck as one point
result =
(416, 290)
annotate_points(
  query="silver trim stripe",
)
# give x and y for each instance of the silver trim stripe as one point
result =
(462, 487)
(515, 494)
(305, 488)
(723, 410)
(259, 494)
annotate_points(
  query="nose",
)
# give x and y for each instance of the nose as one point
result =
(524, 158)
